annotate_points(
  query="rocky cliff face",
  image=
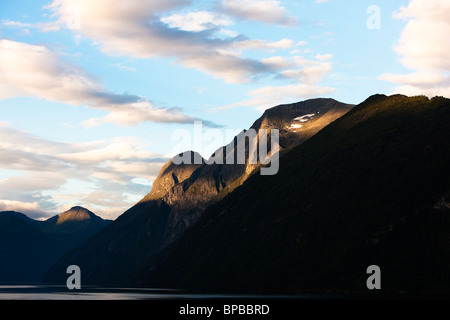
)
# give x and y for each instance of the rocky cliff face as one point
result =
(172, 174)
(189, 186)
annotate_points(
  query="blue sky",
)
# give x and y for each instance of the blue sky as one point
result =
(91, 92)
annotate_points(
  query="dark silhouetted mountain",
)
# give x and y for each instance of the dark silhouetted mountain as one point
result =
(29, 247)
(181, 193)
(371, 188)
(77, 220)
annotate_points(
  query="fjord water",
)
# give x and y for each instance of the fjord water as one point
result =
(39, 292)
(42, 292)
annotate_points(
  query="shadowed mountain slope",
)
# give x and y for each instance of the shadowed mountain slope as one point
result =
(179, 196)
(29, 247)
(372, 188)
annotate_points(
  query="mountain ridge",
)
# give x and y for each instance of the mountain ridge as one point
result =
(31, 246)
(369, 189)
(178, 198)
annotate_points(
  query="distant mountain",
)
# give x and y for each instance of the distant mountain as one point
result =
(179, 196)
(77, 220)
(371, 188)
(29, 247)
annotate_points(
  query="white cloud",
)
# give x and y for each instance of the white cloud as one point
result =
(423, 47)
(35, 71)
(136, 29)
(25, 27)
(324, 57)
(92, 122)
(150, 29)
(33, 181)
(269, 96)
(267, 11)
(19, 206)
(307, 74)
(16, 24)
(278, 62)
(198, 40)
(281, 44)
(197, 21)
(311, 74)
(28, 153)
(265, 45)
(417, 79)
(309, 71)
(39, 166)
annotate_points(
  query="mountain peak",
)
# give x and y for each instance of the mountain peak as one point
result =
(172, 174)
(281, 116)
(76, 213)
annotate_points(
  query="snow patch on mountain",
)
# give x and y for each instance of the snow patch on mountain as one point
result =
(305, 118)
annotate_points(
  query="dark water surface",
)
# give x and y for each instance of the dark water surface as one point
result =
(38, 292)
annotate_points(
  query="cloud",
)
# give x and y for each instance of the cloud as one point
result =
(34, 181)
(16, 24)
(265, 45)
(25, 27)
(196, 40)
(324, 57)
(305, 74)
(35, 71)
(423, 47)
(311, 72)
(32, 208)
(41, 169)
(269, 96)
(197, 21)
(428, 83)
(267, 11)
(25, 152)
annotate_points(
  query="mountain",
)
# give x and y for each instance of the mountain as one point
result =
(371, 188)
(29, 247)
(77, 220)
(182, 192)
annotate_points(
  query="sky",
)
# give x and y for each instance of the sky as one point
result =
(95, 96)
